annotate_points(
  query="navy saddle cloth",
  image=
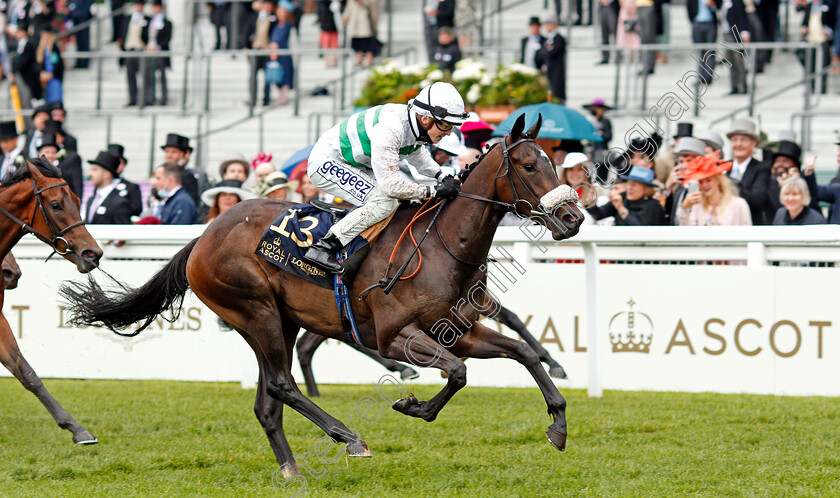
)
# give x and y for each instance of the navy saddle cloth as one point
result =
(288, 238)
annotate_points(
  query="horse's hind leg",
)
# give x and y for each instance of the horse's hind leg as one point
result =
(269, 412)
(306, 346)
(481, 342)
(13, 360)
(509, 318)
(268, 330)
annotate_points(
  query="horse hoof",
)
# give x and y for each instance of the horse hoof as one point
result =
(409, 374)
(290, 470)
(403, 405)
(84, 437)
(358, 449)
(556, 438)
(557, 372)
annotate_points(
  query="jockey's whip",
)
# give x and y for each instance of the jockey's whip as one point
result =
(399, 273)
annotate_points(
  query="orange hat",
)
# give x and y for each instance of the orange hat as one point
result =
(701, 167)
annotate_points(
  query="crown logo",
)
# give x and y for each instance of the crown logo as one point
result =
(636, 341)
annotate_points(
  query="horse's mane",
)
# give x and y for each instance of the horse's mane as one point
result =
(22, 173)
(470, 167)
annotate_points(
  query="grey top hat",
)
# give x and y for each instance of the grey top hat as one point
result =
(690, 145)
(711, 138)
(743, 127)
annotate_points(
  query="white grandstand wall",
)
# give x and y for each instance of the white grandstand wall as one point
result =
(733, 323)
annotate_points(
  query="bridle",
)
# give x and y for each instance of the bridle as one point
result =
(56, 234)
(528, 210)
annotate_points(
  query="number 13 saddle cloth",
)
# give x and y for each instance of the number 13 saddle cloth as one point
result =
(290, 235)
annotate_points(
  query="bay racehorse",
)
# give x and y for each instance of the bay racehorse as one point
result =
(308, 343)
(268, 306)
(35, 199)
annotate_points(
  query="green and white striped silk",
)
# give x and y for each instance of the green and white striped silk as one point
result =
(354, 137)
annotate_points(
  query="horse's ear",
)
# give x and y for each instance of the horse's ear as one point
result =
(536, 128)
(33, 170)
(518, 126)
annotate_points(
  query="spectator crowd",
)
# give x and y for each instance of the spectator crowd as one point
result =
(687, 180)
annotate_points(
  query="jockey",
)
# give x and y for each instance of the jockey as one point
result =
(358, 160)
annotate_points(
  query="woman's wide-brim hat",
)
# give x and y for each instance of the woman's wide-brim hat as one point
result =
(701, 167)
(276, 181)
(226, 187)
(597, 103)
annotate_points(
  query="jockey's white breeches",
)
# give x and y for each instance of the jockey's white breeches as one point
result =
(332, 174)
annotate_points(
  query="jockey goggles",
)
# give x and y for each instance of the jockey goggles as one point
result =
(440, 114)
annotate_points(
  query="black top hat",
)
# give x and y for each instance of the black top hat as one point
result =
(107, 161)
(49, 139)
(56, 106)
(141, 2)
(117, 151)
(8, 129)
(177, 141)
(41, 108)
(791, 150)
(684, 130)
(157, 3)
(534, 20)
(53, 126)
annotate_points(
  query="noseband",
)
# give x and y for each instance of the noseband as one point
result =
(56, 234)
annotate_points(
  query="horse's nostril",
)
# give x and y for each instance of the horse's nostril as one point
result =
(8, 274)
(90, 255)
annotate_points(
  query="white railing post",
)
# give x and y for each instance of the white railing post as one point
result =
(522, 252)
(756, 254)
(593, 347)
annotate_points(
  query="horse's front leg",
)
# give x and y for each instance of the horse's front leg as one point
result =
(482, 342)
(14, 361)
(415, 347)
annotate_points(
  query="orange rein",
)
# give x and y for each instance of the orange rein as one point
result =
(420, 212)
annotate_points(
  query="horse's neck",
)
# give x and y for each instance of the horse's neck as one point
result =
(10, 232)
(475, 221)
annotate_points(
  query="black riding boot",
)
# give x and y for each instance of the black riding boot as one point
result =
(322, 253)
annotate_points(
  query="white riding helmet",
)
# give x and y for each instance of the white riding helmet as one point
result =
(441, 101)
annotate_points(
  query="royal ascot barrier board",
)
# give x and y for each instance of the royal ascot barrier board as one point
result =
(730, 329)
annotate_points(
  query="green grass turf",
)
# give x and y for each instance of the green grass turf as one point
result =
(179, 438)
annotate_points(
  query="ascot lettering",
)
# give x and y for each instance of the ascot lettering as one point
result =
(744, 337)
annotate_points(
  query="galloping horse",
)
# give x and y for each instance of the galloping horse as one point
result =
(268, 307)
(11, 272)
(36, 200)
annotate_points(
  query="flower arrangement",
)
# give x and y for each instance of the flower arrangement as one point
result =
(516, 84)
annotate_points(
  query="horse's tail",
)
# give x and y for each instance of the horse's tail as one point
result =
(118, 309)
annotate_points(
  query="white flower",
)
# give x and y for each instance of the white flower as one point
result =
(425, 83)
(435, 75)
(486, 79)
(413, 70)
(387, 66)
(474, 94)
(523, 69)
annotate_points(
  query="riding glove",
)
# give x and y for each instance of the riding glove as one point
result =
(447, 187)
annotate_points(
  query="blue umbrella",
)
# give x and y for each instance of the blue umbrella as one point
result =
(558, 123)
(295, 159)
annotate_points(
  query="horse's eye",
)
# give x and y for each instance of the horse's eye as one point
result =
(529, 167)
(55, 206)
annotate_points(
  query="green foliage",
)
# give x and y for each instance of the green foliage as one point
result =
(189, 439)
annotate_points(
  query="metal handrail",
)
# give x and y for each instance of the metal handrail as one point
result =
(94, 20)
